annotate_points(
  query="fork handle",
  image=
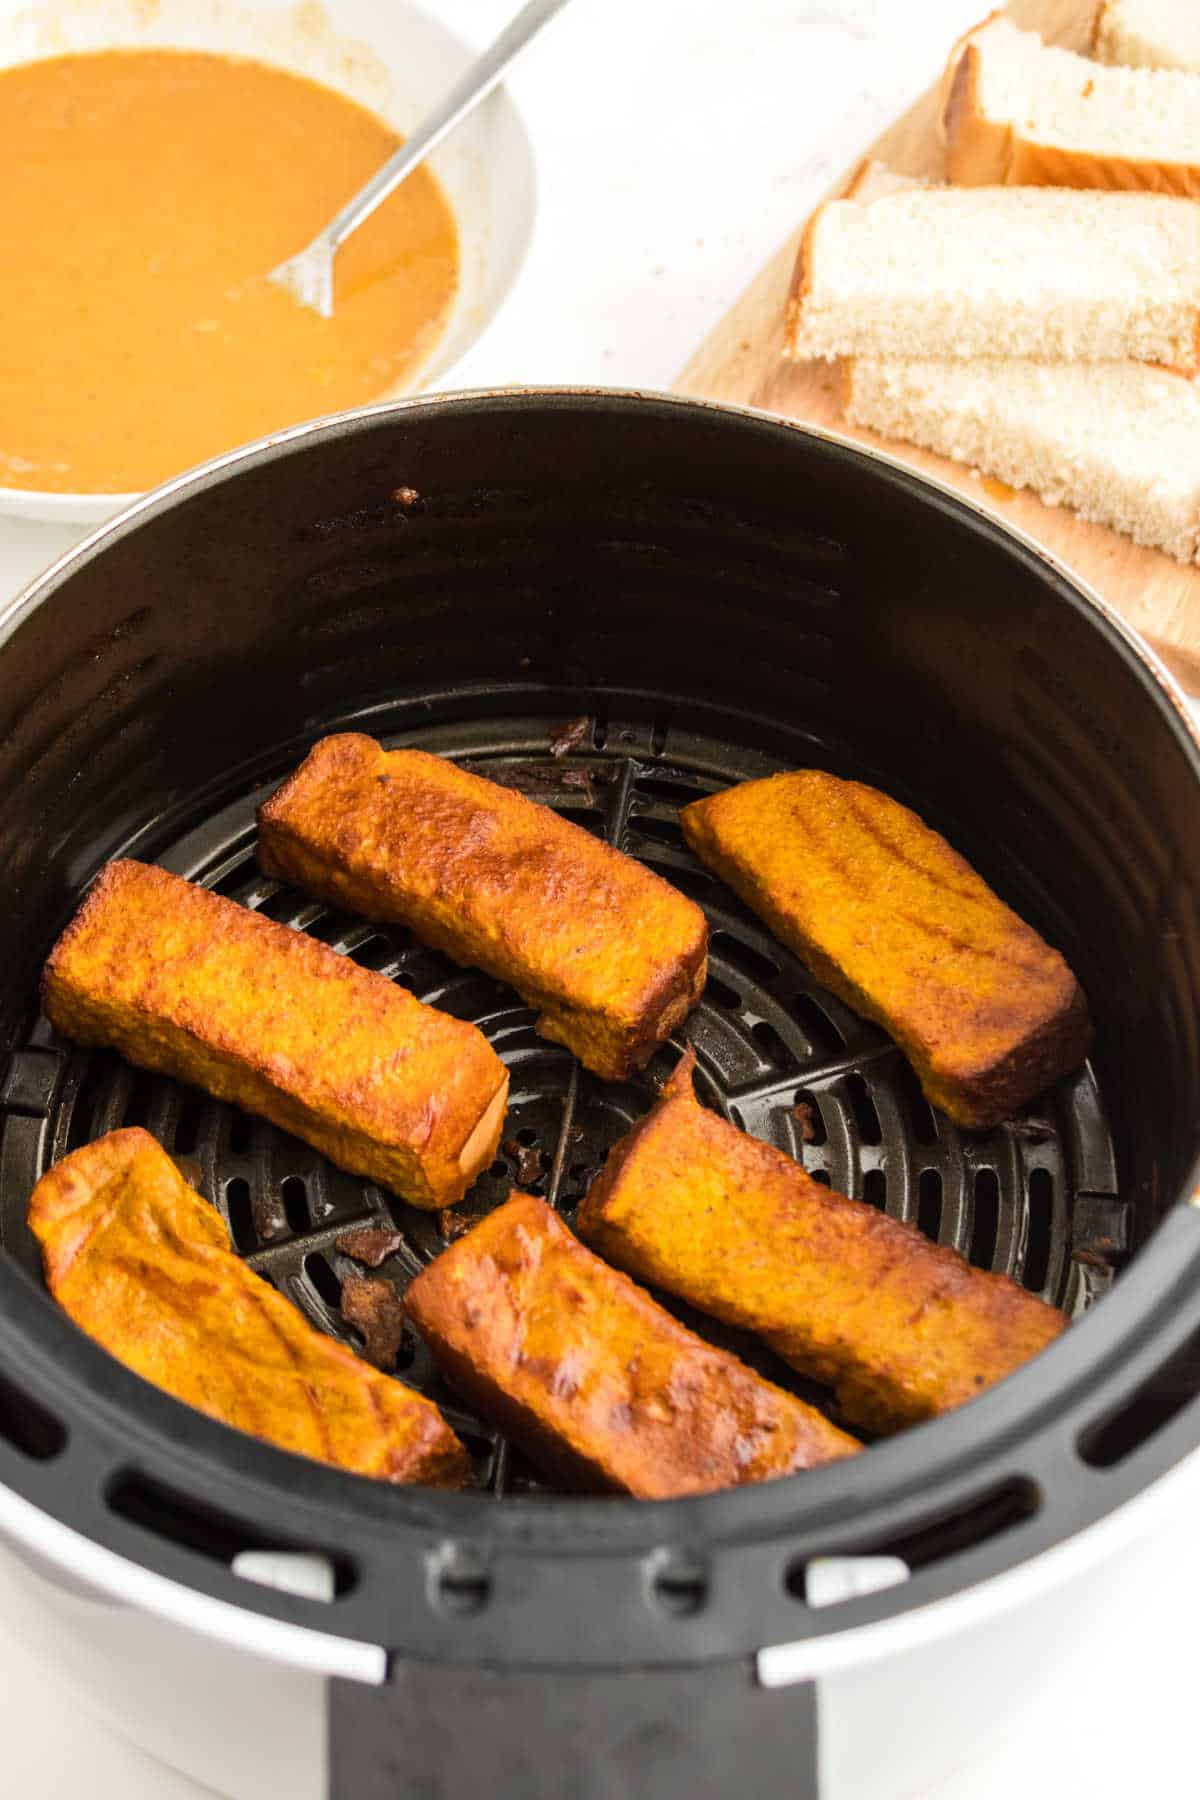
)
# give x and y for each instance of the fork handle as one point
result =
(472, 87)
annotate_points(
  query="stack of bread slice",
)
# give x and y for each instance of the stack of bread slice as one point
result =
(1029, 320)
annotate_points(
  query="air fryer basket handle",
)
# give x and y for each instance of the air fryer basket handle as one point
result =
(445, 1731)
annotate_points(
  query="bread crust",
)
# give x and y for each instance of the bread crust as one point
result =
(801, 284)
(979, 150)
(858, 186)
(1033, 164)
(613, 956)
(952, 61)
(987, 152)
(144, 1266)
(902, 1329)
(1099, 31)
(595, 1381)
(860, 177)
(181, 980)
(901, 928)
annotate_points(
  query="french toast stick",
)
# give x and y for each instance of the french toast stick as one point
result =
(901, 1328)
(181, 980)
(144, 1266)
(595, 1381)
(611, 955)
(901, 928)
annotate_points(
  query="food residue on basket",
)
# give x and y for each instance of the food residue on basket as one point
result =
(569, 735)
(529, 1159)
(268, 1212)
(536, 779)
(803, 1114)
(373, 1306)
(370, 1245)
(148, 194)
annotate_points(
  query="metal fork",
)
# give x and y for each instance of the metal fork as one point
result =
(308, 275)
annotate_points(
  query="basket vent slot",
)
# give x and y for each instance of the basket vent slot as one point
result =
(808, 1112)
(295, 1204)
(985, 1221)
(771, 1044)
(822, 1033)
(929, 1202)
(192, 1111)
(658, 831)
(241, 1214)
(1041, 1229)
(241, 1131)
(717, 990)
(962, 1528)
(140, 1101)
(377, 953)
(206, 1531)
(1146, 1411)
(745, 958)
(1005, 1506)
(863, 1107)
(27, 1426)
(323, 1279)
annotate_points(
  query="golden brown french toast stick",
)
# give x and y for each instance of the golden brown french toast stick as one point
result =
(902, 1328)
(181, 980)
(600, 1385)
(612, 956)
(895, 923)
(144, 1266)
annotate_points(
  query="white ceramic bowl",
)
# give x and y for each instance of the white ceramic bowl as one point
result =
(390, 57)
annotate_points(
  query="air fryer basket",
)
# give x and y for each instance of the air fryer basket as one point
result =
(717, 595)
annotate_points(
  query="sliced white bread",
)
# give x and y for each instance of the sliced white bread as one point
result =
(1019, 111)
(1002, 272)
(1118, 442)
(1149, 34)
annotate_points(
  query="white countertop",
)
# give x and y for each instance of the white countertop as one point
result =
(679, 141)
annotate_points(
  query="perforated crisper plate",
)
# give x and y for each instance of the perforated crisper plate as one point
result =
(777, 1054)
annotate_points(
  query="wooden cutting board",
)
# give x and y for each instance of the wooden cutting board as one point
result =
(742, 361)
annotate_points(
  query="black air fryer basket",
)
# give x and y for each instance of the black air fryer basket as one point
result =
(718, 595)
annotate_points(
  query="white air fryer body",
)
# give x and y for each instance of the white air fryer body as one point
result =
(1071, 1677)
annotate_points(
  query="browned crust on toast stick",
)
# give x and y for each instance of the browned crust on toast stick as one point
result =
(900, 927)
(181, 980)
(144, 1266)
(902, 1328)
(600, 1385)
(610, 953)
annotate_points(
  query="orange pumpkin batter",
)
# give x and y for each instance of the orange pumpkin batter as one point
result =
(146, 196)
